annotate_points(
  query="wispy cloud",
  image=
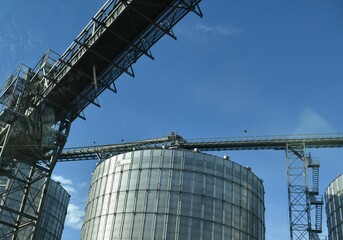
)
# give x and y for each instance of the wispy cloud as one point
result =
(69, 189)
(62, 180)
(75, 216)
(205, 32)
(217, 30)
(66, 183)
(312, 122)
(18, 42)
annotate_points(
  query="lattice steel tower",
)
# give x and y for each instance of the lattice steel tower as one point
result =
(305, 203)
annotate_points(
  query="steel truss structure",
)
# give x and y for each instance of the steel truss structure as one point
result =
(305, 202)
(40, 104)
(27, 133)
(173, 140)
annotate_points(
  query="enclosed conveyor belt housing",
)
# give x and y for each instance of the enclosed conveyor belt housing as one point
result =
(40, 103)
(116, 37)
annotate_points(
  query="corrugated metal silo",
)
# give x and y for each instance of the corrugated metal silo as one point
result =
(51, 223)
(334, 208)
(173, 194)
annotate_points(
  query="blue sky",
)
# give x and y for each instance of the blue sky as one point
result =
(268, 67)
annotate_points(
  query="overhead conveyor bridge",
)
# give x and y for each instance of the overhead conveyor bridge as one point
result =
(305, 201)
(278, 142)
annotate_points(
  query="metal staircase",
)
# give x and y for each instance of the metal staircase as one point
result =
(316, 200)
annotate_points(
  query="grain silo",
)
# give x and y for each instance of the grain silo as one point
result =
(173, 194)
(334, 208)
(51, 222)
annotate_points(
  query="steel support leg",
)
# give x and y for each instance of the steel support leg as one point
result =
(299, 208)
(22, 199)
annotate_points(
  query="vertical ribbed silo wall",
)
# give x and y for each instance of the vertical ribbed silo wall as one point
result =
(51, 222)
(334, 208)
(173, 194)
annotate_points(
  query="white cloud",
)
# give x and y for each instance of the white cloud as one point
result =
(75, 212)
(17, 43)
(312, 122)
(66, 183)
(69, 189)
(62, 180)
(217, 30)
(204, 32)
(75, 216)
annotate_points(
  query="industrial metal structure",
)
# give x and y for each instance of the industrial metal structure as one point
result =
(39, 104)
(173, 194)
(51, 223)
(334, 208)
(305, 202)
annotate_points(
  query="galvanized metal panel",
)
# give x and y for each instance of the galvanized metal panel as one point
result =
(173, 194)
